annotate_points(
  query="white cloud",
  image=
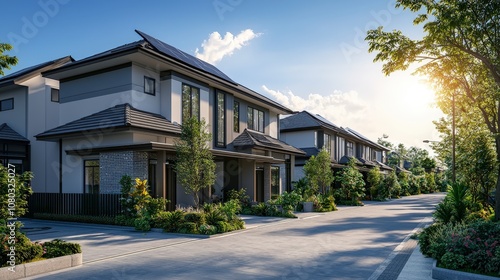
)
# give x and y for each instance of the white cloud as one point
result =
(217, 47)
(341, 108)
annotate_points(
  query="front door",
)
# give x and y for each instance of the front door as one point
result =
(259, 184)
(170, 182)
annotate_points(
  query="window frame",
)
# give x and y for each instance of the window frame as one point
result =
(146, 85)
(5, 101)
(236, 116)
(349, 149)
(256, 119)
(327, 142)
(55, 92)
(91, 190)
(220, 117)
(190, 101)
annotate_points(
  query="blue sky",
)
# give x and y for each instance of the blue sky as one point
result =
(304, 54)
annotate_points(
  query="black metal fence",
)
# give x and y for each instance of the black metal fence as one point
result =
(75, 204)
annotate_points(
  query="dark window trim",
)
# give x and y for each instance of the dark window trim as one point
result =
(255, 126)
(85, 173)
(146, 79)
(217, 142)
(54, 95)
(236, 117)
(5, 100)
(190, 100)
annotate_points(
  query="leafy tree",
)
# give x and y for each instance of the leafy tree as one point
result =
(318, 171)
(374, 179)
(351, 184)
(404, 181)
(14, 194)
(460, 53)
(5, 60)
(195, 165)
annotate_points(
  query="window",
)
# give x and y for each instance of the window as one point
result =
(327, 144)
(149, 85)
(190, 102)
(340, 148)
(236, 116)
(92, 176)
(54, 95)
(350, 149)
(255, 119)
(275, 182)
(7, 104)
(220, 126)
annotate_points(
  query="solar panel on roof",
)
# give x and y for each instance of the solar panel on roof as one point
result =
(321, 118)
(183, 57)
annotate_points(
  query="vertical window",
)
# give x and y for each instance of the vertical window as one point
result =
(7, 104)
(54, 95)
(149, 85)
(236, 116)
(190, 102)
(221, 116)
(327, 143)
(275, 182)
(255, 119)
(350, 149)
(92, 176)
(340, 148)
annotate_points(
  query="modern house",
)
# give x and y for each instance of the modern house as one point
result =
(119, 113)
(312, 132)
(29, 105)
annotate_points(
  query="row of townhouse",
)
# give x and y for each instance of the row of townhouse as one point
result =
(312, 132)
(81, 125)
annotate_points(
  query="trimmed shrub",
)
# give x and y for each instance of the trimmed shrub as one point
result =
(58, 248)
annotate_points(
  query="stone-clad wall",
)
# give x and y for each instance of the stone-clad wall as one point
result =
(113, 165)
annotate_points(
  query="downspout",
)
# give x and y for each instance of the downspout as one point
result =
(60, 166)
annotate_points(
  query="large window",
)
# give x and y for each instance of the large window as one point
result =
(255, 119)
(350, 149)
(7, 104)
(340, 148)
(221, 119)
(327, 143)
(236, 116)
(190, 102)
(275, 182)
(91, 176)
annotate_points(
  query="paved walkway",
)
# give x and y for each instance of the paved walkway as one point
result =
(370, 242)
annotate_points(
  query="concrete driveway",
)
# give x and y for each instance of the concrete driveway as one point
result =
(351, 243)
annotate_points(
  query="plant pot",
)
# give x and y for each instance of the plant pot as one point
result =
(308, 206)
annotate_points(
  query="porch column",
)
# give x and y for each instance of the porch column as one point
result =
(161, 186)
(267, 181)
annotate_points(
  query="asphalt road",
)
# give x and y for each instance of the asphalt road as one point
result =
(351, 243)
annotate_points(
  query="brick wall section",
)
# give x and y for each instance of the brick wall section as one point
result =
(113, 165)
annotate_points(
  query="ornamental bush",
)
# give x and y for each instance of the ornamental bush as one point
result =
(471, 247)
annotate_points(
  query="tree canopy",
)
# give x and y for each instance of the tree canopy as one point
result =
(459, 52)
(195, 166)
(6, 61)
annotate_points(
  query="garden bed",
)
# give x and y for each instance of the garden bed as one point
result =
(439, 273)
(40, 267)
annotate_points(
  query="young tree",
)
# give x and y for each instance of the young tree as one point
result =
(460, 52)
(351, 184)
(195, 165)
(5, 60)
(318, 171)
(374, 179)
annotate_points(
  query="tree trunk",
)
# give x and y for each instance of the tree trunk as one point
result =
(497, 194)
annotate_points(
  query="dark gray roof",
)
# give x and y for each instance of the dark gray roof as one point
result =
(304, 120)
(181, 56)
(362, 137)
(250, 139)
(122, 116)
(10, 79)
(9, 134)
(310, 151)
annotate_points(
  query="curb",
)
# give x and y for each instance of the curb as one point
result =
(40, 267)
(439, 273)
